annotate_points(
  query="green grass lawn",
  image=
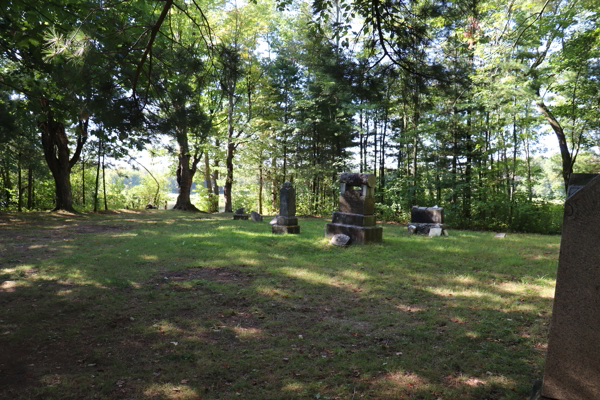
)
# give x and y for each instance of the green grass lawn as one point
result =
(169, 305)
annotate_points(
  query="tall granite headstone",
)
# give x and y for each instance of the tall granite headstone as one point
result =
(286, 221)
(356, 217)
(572, 369)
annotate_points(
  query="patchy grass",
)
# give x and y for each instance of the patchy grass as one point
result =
(167, 305)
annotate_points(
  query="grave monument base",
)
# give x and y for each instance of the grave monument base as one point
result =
(358, 234)
(241, 216)
(291, 229)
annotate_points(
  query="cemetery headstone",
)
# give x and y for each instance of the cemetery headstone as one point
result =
(240, 213)
(256, 217)
(424, 219)
(572, 370)
(356, 217)
(340, 240)
(286, 221)
(500, 235)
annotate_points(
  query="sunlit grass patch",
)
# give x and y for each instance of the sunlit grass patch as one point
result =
(234, 311)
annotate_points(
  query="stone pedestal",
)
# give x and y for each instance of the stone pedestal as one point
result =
(572, 370)
(286, 222)
(240, 213)
(426, 220)
(356, 217)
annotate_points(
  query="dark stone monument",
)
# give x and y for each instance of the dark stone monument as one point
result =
(356, 217)
(256, 217)
(428, 221)
(240, 213)
(286, 221)
(572, 369)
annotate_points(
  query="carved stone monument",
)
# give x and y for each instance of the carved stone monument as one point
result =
(572, 369)
(356, 217)
(428, 221)
(286, 221)
(240, 213)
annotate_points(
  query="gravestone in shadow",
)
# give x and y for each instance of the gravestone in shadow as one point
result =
(427, 220)
(286, 221)
(572, 370)
(356, 217)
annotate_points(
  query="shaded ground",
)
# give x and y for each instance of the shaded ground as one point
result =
(167, 305)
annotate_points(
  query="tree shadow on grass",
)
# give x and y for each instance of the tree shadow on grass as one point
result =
(300, 320)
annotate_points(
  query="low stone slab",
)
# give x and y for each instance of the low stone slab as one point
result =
(500, 235)
(279, 229)
(435, 232)
(340, 240)
(256, 217)
(358, 234)
(241, 216)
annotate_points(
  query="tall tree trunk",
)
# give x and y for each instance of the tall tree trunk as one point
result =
(104, 183)
(83, 180)
(468, 170)
(56, 152)
(274, 191)
(19, 184)
(213, 200)
(260, 185)
(229, 178)
(97, 177)
(567, 159)
(30, 188)
(215, 177)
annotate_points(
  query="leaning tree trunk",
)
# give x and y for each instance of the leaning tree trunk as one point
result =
(56, 151)
(567, 159)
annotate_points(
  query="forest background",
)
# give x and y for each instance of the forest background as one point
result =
(449, 104)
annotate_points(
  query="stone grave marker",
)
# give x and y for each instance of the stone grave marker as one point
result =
(500, 235)
(340, 240)
(286, 221)
(240, 213)
(256, 217)
(572, 370)
(424, 219)
(356, 217)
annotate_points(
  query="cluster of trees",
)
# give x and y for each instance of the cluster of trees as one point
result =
(445, 102)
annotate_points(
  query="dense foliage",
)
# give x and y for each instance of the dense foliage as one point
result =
(447, 103)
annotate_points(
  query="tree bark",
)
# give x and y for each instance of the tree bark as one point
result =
(19, 184)
(229, 178)
(29, 188)
(567, 159)
(97, 177)
(56, 152)
(185, 175)
(104, 183)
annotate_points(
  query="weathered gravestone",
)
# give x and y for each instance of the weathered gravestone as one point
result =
(356, 217)
(340, 240)
(256, 217)
(428, 221)
(572, 370)
(240, 213)
(286, 221)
